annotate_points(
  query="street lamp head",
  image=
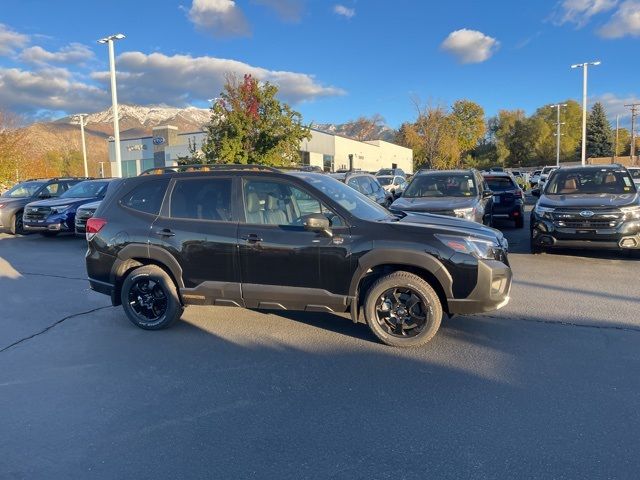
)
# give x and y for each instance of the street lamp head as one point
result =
(596, 62)
(117, 36)
(577, 65)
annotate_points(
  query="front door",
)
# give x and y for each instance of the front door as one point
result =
(284, 266)
(197, 228)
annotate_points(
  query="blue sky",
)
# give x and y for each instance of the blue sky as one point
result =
(334, 60)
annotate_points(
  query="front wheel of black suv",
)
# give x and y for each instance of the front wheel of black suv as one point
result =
(17, 228)
(150, 298)
(535, 249)
(403, 310)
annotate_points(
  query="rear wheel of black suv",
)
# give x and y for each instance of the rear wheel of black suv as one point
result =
(403, 310)
(150, 298)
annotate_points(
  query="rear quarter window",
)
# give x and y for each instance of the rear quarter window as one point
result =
(146, 197)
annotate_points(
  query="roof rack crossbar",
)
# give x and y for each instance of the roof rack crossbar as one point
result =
(207, 168)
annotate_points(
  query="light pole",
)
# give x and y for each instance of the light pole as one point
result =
(114, 98)
(585, 67)
(558, 106)
(80, 118)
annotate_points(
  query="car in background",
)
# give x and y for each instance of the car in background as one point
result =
(455, 193)
(635, 174)
(535, 178)
(50, 217)
(13, 201)
(395, 185)
(521, 179)
(366, 184)
(240, 237)
(508, 198)
(391, 171)
(544, 175)
(84, 213)
(594, 206)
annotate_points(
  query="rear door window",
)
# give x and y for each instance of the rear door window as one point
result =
(366, 186)
(202, 199)
(147, 197)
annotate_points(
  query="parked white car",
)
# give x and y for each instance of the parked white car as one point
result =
(394, 184)
(544, 175)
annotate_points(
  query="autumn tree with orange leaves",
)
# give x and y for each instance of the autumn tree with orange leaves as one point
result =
(249, 125)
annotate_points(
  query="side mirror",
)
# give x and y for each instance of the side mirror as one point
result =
(535, 192)
(487, 194)
(316, 222)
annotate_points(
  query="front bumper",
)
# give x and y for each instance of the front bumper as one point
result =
(491, 292)
(53, 223)
(545, 234)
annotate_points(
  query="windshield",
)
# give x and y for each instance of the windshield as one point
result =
(88, 189)
(384, 181)
(635, 173)
(537, 172)
(500, 184)
(442, 185)
(386, 171)
(351, 200)
(23, 190)
(547, 170)
(590, 181)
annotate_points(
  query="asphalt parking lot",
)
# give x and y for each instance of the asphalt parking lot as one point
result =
(548, 387)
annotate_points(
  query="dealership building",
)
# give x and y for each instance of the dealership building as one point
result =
(330, 152)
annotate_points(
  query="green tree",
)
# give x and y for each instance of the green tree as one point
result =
(250, 125)
(500, 128)
(599, 134)
(468, 122)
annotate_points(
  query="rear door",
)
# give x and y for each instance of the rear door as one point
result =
(198, 227)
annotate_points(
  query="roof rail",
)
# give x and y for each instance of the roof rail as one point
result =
(207, 168)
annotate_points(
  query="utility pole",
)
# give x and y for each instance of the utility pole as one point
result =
(585, 67)
(80, 118)
(615, 150)
(634, 114)
(558, 134)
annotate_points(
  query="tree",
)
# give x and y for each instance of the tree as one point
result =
(599, 134)
(12, 148)
(468, 122)
(250, 125)
(500, 128)
(364, 128)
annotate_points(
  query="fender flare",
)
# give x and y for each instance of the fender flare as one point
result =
(401, 257)
(126, 260)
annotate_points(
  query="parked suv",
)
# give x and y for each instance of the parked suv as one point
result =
(587, 207)
(508, 198)
(394, 185)
(13, 201)
(366, 184)
(391, 171)
(257, 237)
(50, 217)
(84, 213)
(456, 193)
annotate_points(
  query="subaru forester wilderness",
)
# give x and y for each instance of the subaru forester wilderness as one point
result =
(257, 237)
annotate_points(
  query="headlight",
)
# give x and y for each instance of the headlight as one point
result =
(464, 213)
(59, 208)
(477, 247)
(631, 213)
(544, 212)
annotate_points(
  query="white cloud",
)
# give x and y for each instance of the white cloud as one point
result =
(580, 12)
(10, 40)
(52, 89)
(221, 18)
(344, 11)
(625, 21)
(179, 80)
(72, 53)
(615, 105)
(470, 46)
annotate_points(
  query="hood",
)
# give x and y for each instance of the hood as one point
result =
(54, 202)
(431, 204)
(593, 200)
(452, 225)
(92, 205)
(13, 201)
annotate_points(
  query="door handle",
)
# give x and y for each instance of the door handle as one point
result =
(165, 232)
(251, 238)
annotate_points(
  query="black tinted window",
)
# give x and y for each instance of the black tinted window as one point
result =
(500, 184)
(147, 197)
(202, 199)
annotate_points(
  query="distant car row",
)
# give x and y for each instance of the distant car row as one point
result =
(50, 206)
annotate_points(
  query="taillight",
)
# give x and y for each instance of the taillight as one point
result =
(94, 225)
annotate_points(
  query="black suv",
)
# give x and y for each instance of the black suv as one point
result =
(508, 198)
(456, 193)
(13, 201)
(592, 207)
(258, 237)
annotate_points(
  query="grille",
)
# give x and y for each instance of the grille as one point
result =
(82, 216)
(601, 219)
(36, 213)
(592, 224)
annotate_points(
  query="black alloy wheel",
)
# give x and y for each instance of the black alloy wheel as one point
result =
(147, 299)
(402, 312)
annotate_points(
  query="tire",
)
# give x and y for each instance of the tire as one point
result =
(159, 287)
(535, 249)
(17, 227)
(520, 222)
(49, 234)
(403, 282)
